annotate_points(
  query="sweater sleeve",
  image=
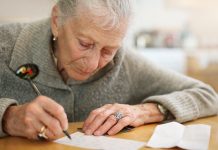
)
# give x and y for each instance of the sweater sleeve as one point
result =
(8, 35)
(184, 97)
(4, 104)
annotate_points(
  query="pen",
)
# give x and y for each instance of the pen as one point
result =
(67, 134)
(28, 72)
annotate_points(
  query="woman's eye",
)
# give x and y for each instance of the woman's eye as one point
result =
(85, 45)
(107, 53)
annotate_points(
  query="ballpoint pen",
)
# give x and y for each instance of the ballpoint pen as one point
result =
(29, 72)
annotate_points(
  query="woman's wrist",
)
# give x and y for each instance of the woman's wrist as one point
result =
(6, 119)
(163, 111)
(151, 111)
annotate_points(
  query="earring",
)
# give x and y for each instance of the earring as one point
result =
(54, 38)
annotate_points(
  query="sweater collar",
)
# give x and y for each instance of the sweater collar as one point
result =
(33, 45)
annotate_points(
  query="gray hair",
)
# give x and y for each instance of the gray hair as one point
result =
(110, 13)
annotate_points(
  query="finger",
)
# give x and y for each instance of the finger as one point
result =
(50, 135)
(88, 122)
(120, 125)
(50, 122)
(92, 116)
(31, 134)
(56, 110)
(38, 126)
(31, 131)
(111, 121)
(98, 121)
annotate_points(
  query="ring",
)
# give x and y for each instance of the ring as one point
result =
(118, 115)
(41, 135)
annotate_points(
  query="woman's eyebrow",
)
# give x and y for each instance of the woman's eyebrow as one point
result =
(95, 41)
(86, 37)
(113, 47)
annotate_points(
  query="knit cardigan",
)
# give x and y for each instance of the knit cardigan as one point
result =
(128, 79)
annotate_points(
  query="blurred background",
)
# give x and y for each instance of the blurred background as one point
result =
(178, 34)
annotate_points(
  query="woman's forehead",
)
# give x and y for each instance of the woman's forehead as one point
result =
(102, 20)
(86, 28)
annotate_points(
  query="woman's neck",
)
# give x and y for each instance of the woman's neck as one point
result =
(54, 49)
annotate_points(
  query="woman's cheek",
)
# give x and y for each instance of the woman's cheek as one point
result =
(103, 63)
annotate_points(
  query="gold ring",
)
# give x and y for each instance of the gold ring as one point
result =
(42, 130)
(41, 135)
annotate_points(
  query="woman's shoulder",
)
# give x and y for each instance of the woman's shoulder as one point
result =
(9, 33)
(134, 58)
(8, 36)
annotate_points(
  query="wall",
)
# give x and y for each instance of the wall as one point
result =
(24, 10)
(203, 19)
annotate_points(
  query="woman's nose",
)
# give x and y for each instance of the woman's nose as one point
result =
(93, 62)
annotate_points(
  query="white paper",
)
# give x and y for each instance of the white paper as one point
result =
(166, 135)
(192, 137)
(195, 137)
(100, 142)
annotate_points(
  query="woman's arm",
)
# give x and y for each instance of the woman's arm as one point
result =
(184, 97)
(4, 104)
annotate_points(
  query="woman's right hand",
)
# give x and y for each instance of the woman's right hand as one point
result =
(28, 119)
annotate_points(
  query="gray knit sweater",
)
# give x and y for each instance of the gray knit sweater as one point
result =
(128, 79)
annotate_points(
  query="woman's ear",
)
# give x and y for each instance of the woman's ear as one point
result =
(54, 21)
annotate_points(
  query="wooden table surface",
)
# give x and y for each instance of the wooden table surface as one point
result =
(142, 133)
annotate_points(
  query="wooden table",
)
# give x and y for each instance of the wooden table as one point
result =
(142, 133)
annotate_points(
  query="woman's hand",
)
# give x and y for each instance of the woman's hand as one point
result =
(102, 120)
(28, 119)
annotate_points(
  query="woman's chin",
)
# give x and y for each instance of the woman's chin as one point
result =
(79, 77)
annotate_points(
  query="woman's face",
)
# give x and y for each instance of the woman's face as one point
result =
(83, 48)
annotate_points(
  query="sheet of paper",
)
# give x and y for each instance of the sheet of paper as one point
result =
(192, 137)
(166, 135)
(100, 142)
(195, 137)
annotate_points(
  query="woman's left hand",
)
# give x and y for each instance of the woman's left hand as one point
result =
(103, 120)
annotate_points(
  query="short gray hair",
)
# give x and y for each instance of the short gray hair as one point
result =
(111, 12)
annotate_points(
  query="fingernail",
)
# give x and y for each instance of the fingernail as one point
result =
(65, 127)
(110, 133)
(97, 133)
(84, 128)
(88, 132)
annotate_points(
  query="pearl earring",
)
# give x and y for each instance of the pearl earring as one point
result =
(54, 38)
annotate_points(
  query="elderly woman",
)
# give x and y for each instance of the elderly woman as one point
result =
(85, 75)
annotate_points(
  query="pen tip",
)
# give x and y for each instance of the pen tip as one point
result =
(67, 134)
